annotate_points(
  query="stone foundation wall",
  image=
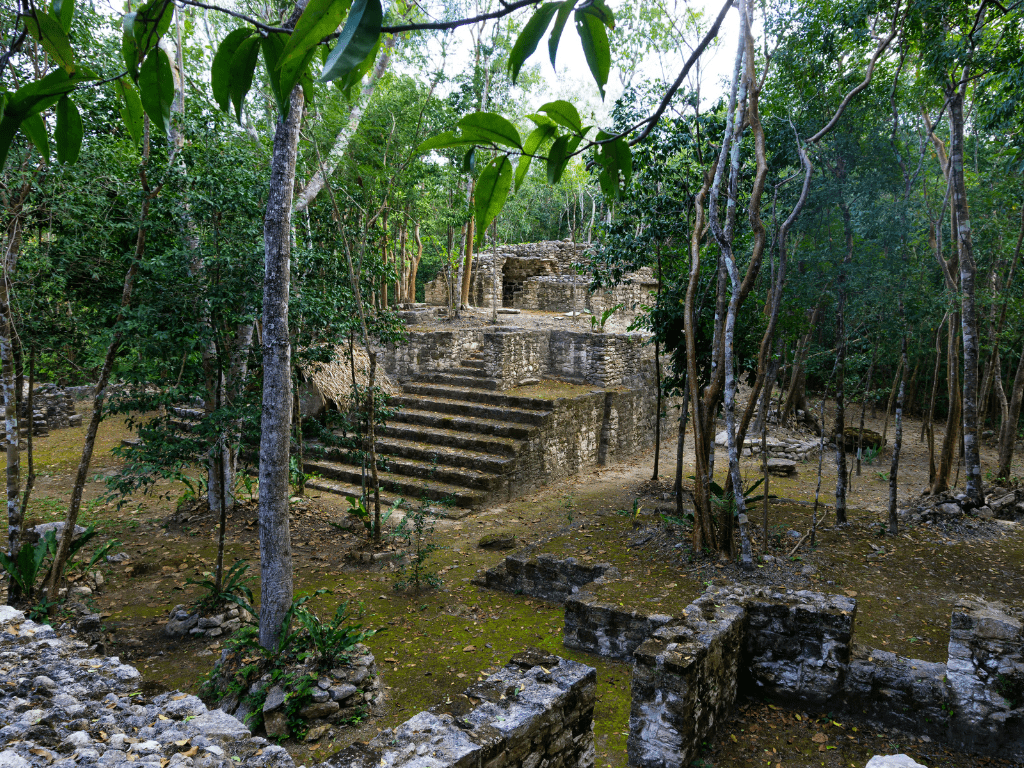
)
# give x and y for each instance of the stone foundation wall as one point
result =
(685, 681)
(544, 576)
(606, 629)
(516, 356)
(430, 352)
(796, 648)
(536, 711)
(52, 408)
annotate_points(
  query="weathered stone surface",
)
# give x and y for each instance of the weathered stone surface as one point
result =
(516, 718)
(497, 541)
(606, 629)
(893, 761)
(685, 680)
(544, 576)
(65, 699)
(782, 466)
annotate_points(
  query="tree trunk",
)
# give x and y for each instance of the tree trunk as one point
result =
(680, 448)
(275, 538)
(795, 397)
(949, 439)
(968, 271)
(12, 431)
(863, 410)
(892, 398)
(897, 445)
(840, 430)
(1008, 426)
(927, 423)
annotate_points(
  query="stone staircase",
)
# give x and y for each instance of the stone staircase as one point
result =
(454, 440)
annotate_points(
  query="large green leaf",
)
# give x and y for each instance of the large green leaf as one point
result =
(358, 38)
(291, 76)
(243, 67)
(590, 24)
(565, 114)
(51, 35)
(491, 192)
(447, 139)
(64, 12)
(152, 20)
(556, 30)
(320, 19)
(537, 136)
(8, 127)
(492, 127)
(131, 109)
(220, 72)
(35, 131)
(129, 48)
(31, 99)
(273, 46)
(355, 77)
(156, 89)
(530, 37)
(69, 131)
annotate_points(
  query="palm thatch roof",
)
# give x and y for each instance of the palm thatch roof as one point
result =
(334, 379)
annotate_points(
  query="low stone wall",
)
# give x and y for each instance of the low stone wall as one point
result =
(55, 700)
(544, 576)
(536, 711)
(606, 629)
(52, 408)
(685, 681)
(796, 648)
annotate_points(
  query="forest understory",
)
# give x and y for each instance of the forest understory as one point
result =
(431, 644)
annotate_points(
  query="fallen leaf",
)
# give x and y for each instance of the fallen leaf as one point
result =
(851, 593)
(819, 738)
(191, 753)
(181, 743)
(42, 753)
(469, 649)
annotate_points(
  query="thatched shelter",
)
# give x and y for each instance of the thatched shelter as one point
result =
(326, 385)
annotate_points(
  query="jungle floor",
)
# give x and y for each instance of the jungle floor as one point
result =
(433, 643)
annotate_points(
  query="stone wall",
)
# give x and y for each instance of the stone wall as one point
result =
(605, 628)
(797, 648)
(516, 356)
(430, 352)
(52, 408)
(685, 680)
(544, 576)
(538, 711)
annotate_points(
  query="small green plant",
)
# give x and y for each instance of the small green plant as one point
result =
(597, 326)
(1011, 689)
(33, 560)
(249, 671)
(247, 483)
(871, 454)
(195, 489)
(358, 508)
(234, 588)
(416, 531)
(297, 477)
(884, 476)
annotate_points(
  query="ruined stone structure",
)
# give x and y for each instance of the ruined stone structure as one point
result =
(536, 711)
(794, 647)
(545, 276)
(52, 408)
(462, 436)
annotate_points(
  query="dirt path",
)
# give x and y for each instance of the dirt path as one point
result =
(433, 643)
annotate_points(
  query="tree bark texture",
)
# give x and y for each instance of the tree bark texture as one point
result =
(897, 446)
(275, 425)
(1008, 426)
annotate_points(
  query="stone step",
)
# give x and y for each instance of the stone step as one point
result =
(446, 456)
(451, 438)
(459, 407)
(412, 489)
(473, 362)
(464, 369)
(458, 380)
(449, 392)
(352, 490)
(471, 469)
(470, 424)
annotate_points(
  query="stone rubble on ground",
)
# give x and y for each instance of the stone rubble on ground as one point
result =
(782, 447)
(61, 708)
(188, 620)
(1000, 504)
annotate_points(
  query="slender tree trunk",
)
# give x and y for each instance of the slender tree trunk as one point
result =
(275, 537)
(794, 395)
(657, 371)
(863, 410)
(466, 273)
(15, 512)
(949, 439)
(680, 448)
(894, 467)
(1008, 426)
(994, 332)
(840, 431)
(927, 423)
(892, 398)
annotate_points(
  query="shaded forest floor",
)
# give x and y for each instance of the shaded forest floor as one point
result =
(433, 643)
